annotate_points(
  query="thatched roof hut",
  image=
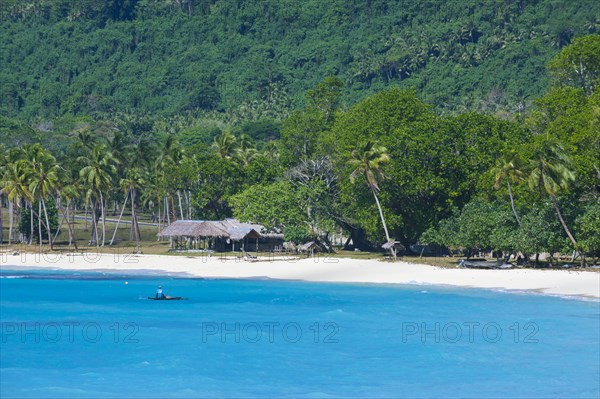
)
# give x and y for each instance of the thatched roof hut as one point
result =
(193, 229)
(397, 245)
(218, 234)
(229, 228)
(309, 246)
(240, 233)
(393, 247)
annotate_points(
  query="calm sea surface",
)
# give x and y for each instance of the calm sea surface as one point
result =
(67, 334)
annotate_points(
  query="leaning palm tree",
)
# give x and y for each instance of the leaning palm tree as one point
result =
(550, 174)
(97, 174)
(509, 168)
(367, 162)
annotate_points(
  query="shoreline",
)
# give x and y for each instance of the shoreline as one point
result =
(565, 283)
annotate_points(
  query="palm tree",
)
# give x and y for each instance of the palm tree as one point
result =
(3, 163)
(550, 173)
(366, 162)
(85, 140)
(44, 177)
(131, 184)
(246, 155)
(15, 189)
(97, 174)
(271, 151)
(225, 145)
(70, 192)
(509, 168)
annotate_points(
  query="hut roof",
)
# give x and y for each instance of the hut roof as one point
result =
(228, 228)
(238, 234)
(180, 228)
(308, 246)
(209, 229)
(193, 228)
(393, 244)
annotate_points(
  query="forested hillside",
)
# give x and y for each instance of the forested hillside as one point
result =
(466, 125)
(257, 58)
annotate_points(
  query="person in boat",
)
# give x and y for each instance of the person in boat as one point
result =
(159, 293)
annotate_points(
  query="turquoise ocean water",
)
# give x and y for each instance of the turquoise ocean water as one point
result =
(67, 334)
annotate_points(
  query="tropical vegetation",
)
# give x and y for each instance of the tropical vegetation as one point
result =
(351, 141)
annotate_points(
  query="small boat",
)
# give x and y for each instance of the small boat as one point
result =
(168, 298)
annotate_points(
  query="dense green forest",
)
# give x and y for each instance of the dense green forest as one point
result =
(270, 112)
(257, 58)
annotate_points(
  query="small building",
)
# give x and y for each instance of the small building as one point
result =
(221, 235)
(309, 248)
(393, 247)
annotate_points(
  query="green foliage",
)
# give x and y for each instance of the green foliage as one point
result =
(573, 118)
(218, 180)
(153, 56)
(587, 229)
(578, 64)
(480, 225)
(540, 231)
(261, 131)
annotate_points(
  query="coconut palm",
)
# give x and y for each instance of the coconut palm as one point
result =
(367, 162)
(509, 168)
(85, 140)
(550, 174)
(245, 156)
(100, 166)
(271, 151)
(225, 145)
(3, 164)
(44, 178)
(29, 156)
(15, 188)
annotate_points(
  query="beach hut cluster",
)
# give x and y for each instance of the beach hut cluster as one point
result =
(220, 235)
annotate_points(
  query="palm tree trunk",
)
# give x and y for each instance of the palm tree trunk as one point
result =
(103, 210)
(10, 220)
(85, 227)
(61, 222)
(167, 211)
(134, 220)
(512, 203)
(387, 235)
(562, 221)
(39, 217)
(173, 209)
(66, 215)
(50, 241)
(31, 223)
(119, 221)
(159, 219)
(188, 203)
(95, 223)
(132, 224)
(1, 223)
(180, 206)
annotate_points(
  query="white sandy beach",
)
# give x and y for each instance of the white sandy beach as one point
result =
(555, 282)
